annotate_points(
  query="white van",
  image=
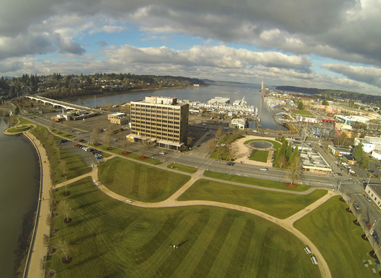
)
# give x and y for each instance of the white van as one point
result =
(264, 169)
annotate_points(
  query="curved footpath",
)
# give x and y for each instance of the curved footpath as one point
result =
(39, 251)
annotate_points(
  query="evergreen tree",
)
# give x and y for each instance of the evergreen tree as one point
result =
(288, 152)
(358, 152)
(295, 154)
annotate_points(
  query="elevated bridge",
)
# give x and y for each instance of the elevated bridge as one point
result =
(66, 105)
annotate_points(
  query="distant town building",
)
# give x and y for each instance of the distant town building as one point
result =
(118, 118)
(238, 123)
(369, 143)
(374, 193)
(160, 119)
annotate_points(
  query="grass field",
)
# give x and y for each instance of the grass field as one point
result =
(277, 204)
(331, 228)
(19, 128)
(258, 155)
(183, 168)
(302, 112)
(252, 181)
(112, 239)
(74, 164)
(138, 181)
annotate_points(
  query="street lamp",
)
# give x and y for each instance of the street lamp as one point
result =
(338, 188)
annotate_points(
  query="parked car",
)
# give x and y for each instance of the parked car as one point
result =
(357, 207)
(163, 153)
(82, 140)
(264, 169)
(230, 163)
(62, 141)
(368, 199)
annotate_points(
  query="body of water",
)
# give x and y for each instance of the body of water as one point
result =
(233, 91)
(19, 186)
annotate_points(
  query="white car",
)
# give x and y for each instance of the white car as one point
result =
(264, 169)
(163, 153)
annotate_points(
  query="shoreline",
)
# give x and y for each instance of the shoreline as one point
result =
(37, 251)
(109, 94)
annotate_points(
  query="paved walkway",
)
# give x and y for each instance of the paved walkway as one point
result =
(39, 250)
(284, 223)
(244, 151)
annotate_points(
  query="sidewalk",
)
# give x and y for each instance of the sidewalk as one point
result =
(39, 251)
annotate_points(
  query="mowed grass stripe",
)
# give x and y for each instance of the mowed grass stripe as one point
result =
(214, 247)
(331, 227)
(199, 243)
(138, 181)
(277, 204)
(226, 254)
(241, 250)
(184, 235)
(106, 235)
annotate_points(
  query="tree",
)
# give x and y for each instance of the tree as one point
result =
(145, 145)
(325, 102)
(63, 248)
(219, 151)
(95, 136)
(289, 152)
(294, 172)
(210, 145)
(232, 148)
(65, 210)
(343, 138)
(365, 162)
(294, 155)
(219, 134)
(109, 135)
(300, 105)
(189, 141)
(282, 161)
(358, 152)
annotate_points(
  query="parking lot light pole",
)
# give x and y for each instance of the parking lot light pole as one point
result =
(338, 188)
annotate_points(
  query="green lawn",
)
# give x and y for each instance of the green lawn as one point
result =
(252, 181)
(61, 133)
(74, 164)
(138, 181)
(19, 128)
(182, 168)
(258, 155)
(277, 204)
(302, 112)
(112, 239)
(331, 228)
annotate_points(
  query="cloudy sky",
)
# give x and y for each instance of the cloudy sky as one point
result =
(309, 43)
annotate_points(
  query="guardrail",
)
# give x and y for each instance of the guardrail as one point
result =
(27, 262)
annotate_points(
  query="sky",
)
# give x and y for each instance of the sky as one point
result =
(306, 43)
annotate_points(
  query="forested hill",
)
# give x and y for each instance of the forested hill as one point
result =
(333, 94)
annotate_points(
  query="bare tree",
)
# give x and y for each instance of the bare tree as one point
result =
(145, 145)
(189, 141)
(233, 150)
(52, 125)
(210, 145)
(219, 134)
(65, 210)
(95, 135)
(294, 172)
(109, 135)
(63, 248)
(11, 121)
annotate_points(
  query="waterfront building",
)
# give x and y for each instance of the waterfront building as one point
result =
(239, 123)
(118, 118)
(161, 120)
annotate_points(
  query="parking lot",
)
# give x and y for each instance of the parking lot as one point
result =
(87, 156)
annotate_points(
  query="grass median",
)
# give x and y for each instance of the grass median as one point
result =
(108, 238)
(332, 230)
(281, 205)
(253, 181)
(138, 181)
(182, 168)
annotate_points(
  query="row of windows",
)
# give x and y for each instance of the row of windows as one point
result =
(162, 123)
(159, 136)
(153, 117)
(156, 130)
(163, 111)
